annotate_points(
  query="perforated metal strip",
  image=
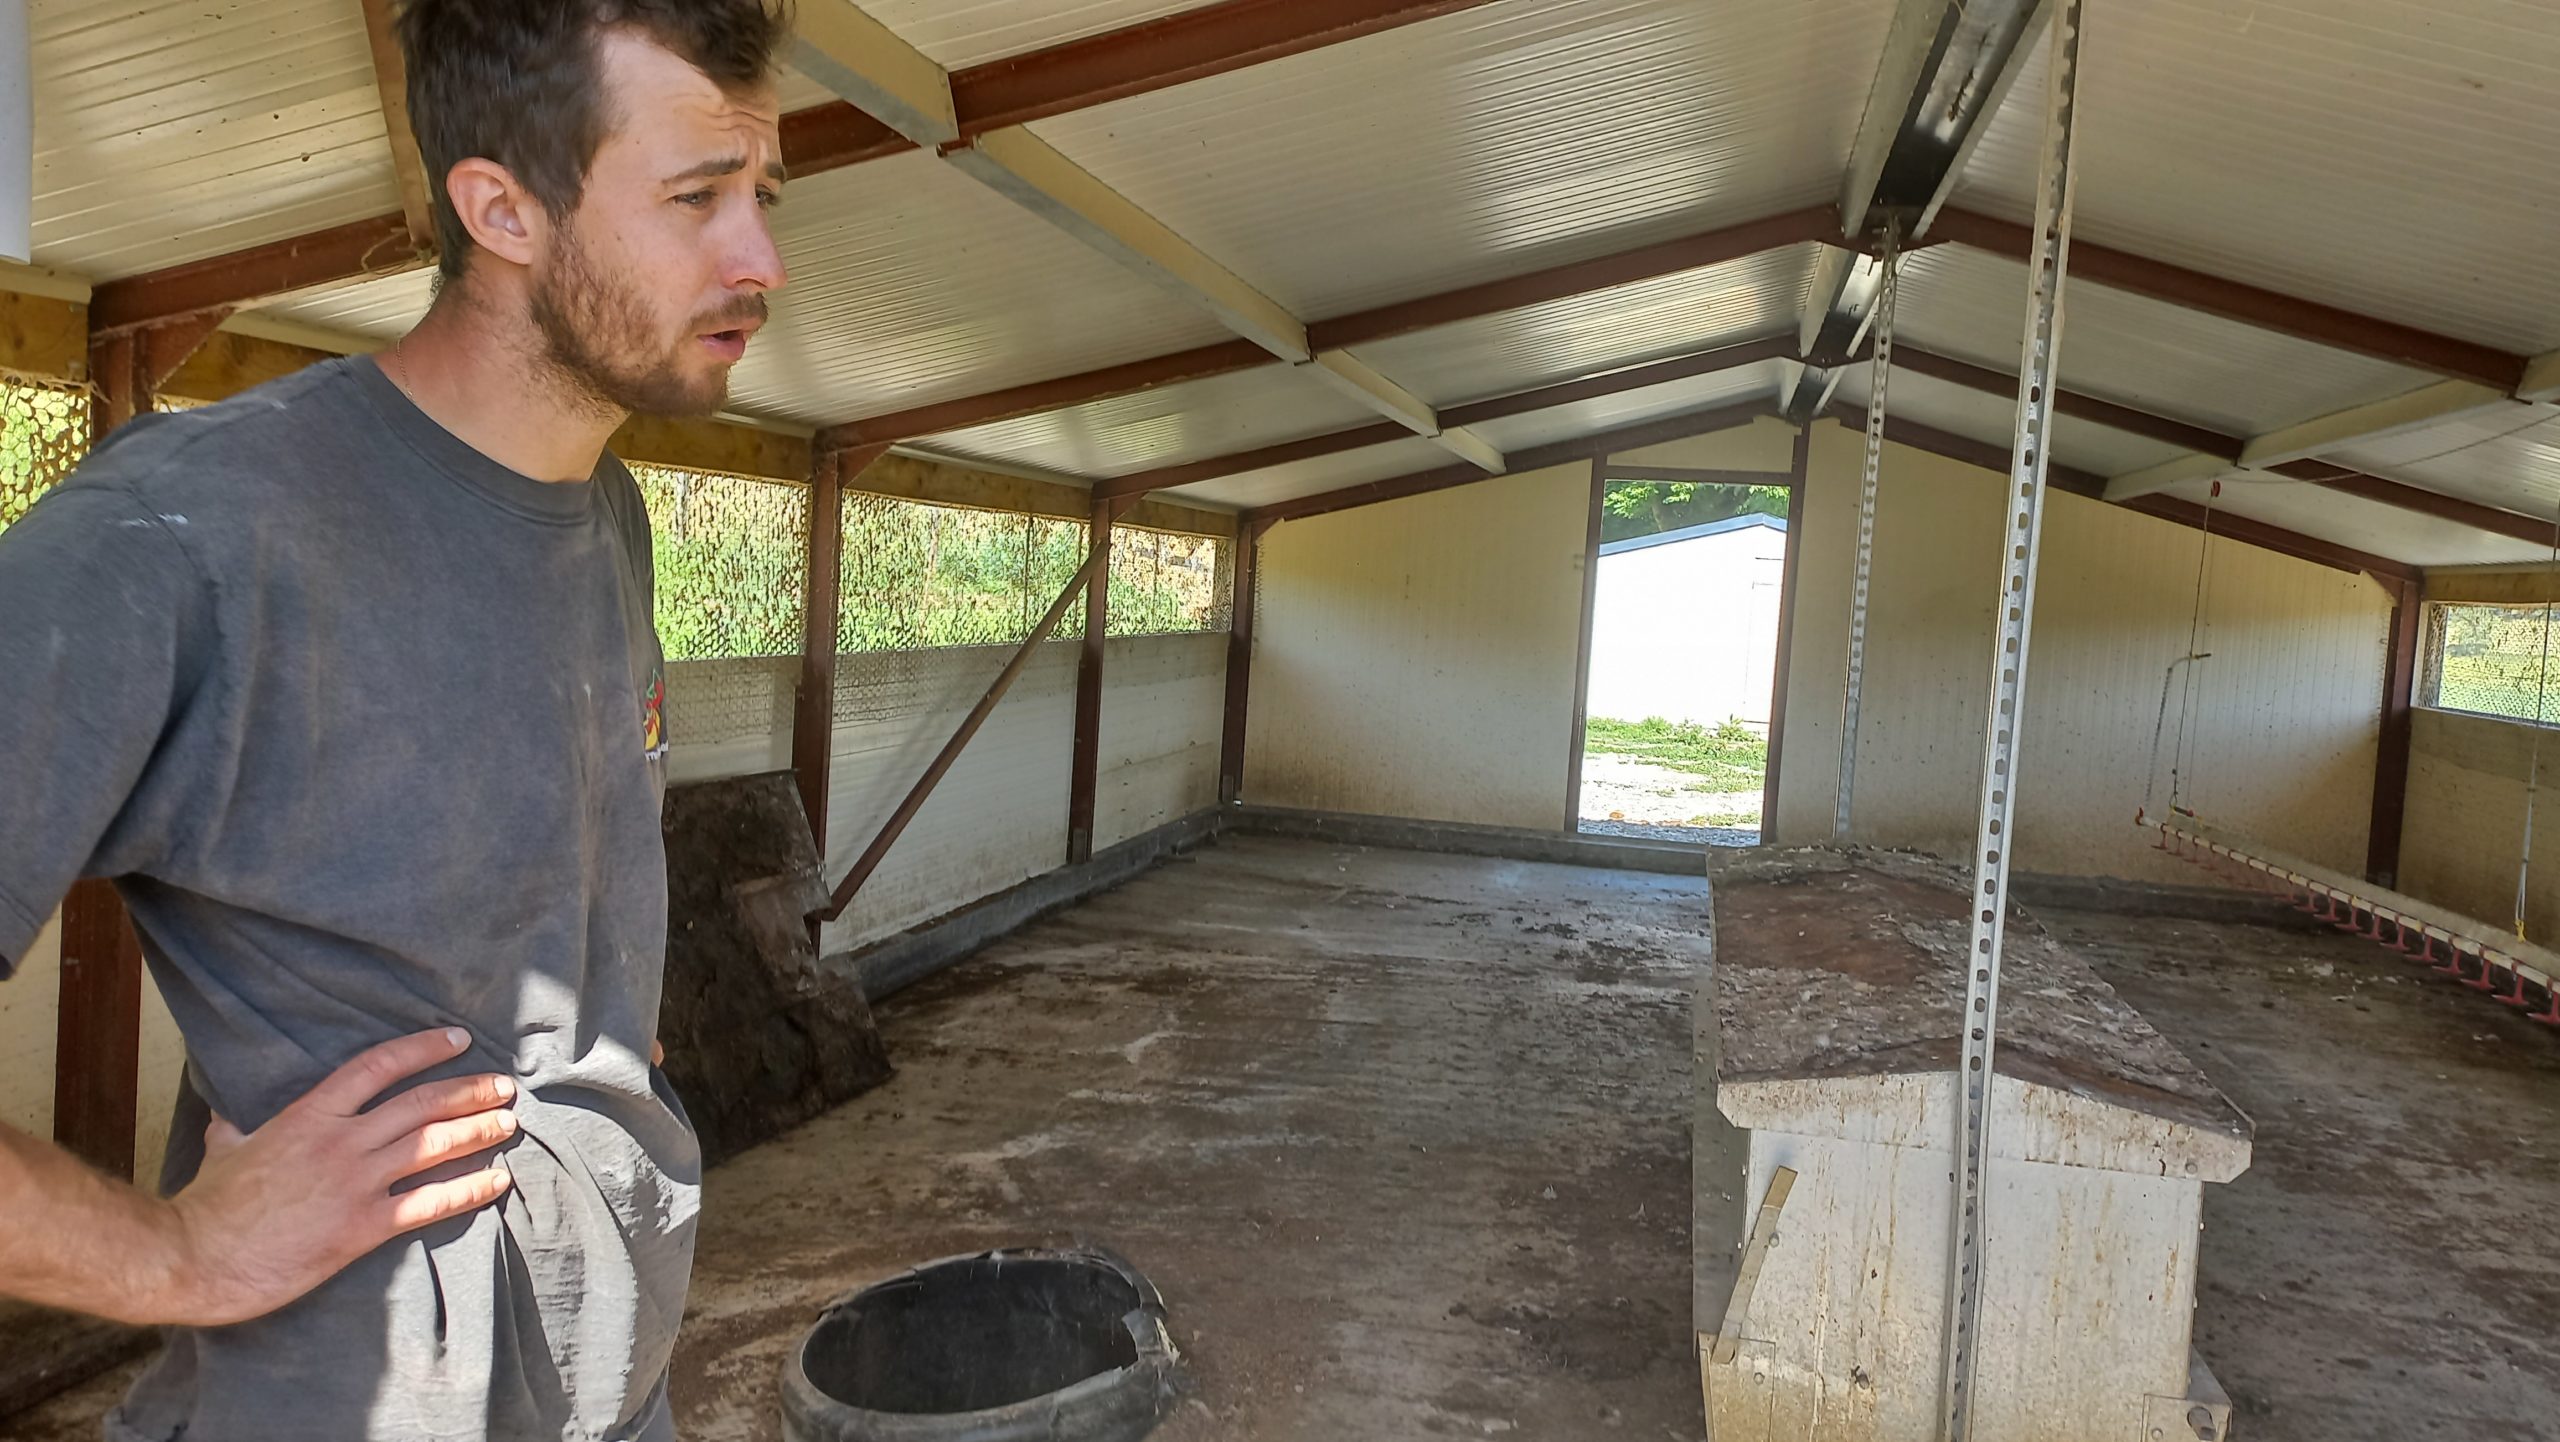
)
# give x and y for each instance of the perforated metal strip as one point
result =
(1865, 569)
(2016, 618)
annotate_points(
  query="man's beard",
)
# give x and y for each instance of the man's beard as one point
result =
(598, 332)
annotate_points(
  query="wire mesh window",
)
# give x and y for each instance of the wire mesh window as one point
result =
(918, 576)
(44, 431)
(1165, 583)
(2495, 660)
(732, 561)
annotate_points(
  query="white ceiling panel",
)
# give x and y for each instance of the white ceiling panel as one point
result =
(1171, 425)
(2399, 158)
(173, 130)
(2136, 351)
(1634, 408)
(961, 33)
(1326, 473)
(1502, 139)
(1983, 416)
(2508, 458)
(910, 284)
(2383, 530)
(1564, 340)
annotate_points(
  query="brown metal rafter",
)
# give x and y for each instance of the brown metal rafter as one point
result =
(1652, 433)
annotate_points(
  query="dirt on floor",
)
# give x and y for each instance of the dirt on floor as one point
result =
(2387, 1267)
(1627, 789)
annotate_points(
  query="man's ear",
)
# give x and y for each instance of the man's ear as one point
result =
(503, 217)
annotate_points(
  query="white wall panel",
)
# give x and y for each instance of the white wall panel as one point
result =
(2464, 830)
(1164, 708)
(2290, 705)
(1416, 658)
(29, 1009)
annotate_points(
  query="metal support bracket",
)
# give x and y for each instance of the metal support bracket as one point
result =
(1859, 585)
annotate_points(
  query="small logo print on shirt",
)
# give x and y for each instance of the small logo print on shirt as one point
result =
(653, 714)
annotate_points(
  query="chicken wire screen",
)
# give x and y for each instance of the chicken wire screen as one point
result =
(919, 576)
(44, 431)
(732, 558)
(1167, 583)
(2495, 660)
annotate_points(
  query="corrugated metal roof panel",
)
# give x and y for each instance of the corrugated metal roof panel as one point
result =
(1566, 340)
(1327, 473)
(1171, 425)
(1499, 140)
(2395, 157)
(910, 284)
(382, 309)
(168, 132)
(2506, 458)
(1633, 408)
(2137, 351)
(2328, 515)
(1983, 416)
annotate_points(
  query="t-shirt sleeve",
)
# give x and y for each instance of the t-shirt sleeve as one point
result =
(105, 627)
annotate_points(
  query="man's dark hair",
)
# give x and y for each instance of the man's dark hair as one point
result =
(520, 82)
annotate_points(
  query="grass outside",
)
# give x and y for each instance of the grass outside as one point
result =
(1726, 758)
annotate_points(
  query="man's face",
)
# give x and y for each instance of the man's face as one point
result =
(653, 285)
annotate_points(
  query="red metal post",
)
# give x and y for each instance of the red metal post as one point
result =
(2391, 747)
(1796, 487)
(1582, 657)
(1239, 664)
(813, 706)
(1084, 772)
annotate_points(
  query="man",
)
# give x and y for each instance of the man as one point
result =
(350, 683)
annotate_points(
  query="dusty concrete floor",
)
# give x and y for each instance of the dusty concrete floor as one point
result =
(2389, 1266)
(1403, 1139)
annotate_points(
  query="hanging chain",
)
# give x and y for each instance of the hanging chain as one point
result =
(1993, 831)
(1859, 583)
(2191, 704)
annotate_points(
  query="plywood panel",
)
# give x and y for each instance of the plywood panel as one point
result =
(1417, 658)
(28, 1013)
(2288, 707)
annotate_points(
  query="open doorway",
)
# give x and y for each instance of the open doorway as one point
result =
(1686, 601)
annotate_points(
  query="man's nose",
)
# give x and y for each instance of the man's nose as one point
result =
(754, 261)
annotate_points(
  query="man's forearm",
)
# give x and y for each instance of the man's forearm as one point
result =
(72, 1238)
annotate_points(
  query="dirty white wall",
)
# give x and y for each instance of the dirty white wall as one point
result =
(2464, 830)
(1687, 630)
(2289, 707)
(1000, 816)
(1416, 658)
(30, 1010)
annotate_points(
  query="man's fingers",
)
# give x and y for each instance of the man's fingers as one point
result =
(347, 1090)
(221, 1136)
(441, 1101)
(433, 1146)
(657, 1052)
(431, 1204)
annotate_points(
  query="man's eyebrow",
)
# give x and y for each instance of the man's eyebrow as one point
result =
(726, 165)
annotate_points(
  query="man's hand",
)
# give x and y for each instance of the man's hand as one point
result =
(276, 1212)
(657, 1052)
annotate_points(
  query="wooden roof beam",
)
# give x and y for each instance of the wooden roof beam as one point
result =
(2251, 305)
(1616, 382)
(1653, 433)
(408, 167)
(862, 60)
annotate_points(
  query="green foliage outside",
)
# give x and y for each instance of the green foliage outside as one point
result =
(44, 431)
(1645, 508)
(1729, 757)
(2491, 661)
(731, 558)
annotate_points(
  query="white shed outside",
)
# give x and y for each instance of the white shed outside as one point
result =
(1684, 624)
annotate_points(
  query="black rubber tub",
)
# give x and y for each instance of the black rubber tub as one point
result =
(1014, 1346)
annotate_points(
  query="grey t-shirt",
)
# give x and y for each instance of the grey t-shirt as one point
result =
(366, 727)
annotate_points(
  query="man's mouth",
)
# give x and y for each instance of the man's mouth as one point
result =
(730, 345)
